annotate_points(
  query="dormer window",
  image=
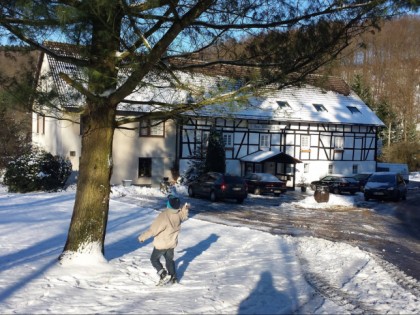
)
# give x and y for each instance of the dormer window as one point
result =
(320, 108)
(354, 110)
(283, 105)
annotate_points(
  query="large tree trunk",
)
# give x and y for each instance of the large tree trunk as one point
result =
(90, 213)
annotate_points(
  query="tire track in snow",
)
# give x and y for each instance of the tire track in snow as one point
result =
(332, 292)
(406, 282)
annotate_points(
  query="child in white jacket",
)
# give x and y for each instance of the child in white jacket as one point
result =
(165, 230)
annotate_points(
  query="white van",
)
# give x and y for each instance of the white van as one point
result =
(394, 167)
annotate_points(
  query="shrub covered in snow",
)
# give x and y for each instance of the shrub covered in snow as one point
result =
(37, 170)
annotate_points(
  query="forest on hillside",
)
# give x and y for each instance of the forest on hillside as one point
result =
(383, 67)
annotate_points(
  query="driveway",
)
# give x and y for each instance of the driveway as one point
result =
(390, 230)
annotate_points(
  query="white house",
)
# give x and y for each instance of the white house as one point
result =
(297, 133)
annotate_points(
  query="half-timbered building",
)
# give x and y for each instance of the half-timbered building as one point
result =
(296, 133)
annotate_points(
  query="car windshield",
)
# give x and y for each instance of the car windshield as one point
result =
(350, 179)
(268, 177)
(382, 178)
(361, 176)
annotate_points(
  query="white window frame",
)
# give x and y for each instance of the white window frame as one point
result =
(338, 142)
(40, 124)
(264, 140)
(305, 142)
(228, 140)
(320, 107)
(152, 128)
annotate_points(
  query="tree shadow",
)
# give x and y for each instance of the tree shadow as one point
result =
(266, 299)
(191, 253)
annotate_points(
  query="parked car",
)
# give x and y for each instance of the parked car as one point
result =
(385, 185)
(338, 184)
(218, 186)
(362, 179)
(264, 183)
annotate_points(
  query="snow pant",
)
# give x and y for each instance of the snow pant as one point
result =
(169, 258)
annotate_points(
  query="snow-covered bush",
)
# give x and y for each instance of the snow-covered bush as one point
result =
(37, 170)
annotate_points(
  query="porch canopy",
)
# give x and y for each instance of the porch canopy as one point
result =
(277, 157)
(270, 156)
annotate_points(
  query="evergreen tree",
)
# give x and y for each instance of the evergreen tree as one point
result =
(196, 165)
(215, 157)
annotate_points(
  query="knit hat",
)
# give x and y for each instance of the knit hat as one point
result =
(173, 202)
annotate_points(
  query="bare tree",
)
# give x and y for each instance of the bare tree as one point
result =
(122, 43)
(388, 63)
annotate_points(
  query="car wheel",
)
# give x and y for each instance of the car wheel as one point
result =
(257, 191)
(397, 196)
(336, 191)
(353, 192)
(213, 196)
(276, 195)
(240, 200)
(190, 192)
(366, 197)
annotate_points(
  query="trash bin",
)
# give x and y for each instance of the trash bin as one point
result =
(127, 182)
(322, 193)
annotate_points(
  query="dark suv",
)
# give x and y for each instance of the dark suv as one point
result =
(338, 184)
(385, 185)
(218, 186)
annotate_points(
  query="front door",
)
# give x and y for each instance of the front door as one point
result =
(270, 167)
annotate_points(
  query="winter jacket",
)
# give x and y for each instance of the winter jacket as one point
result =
(165, 228)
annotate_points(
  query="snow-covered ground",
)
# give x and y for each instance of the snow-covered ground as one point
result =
(222, 269)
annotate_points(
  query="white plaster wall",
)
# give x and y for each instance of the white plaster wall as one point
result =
(128, 147)
(318, 169)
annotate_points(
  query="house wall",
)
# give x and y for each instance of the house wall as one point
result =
(62, 137)
(128, 147)
(59, 137)
(354, 152)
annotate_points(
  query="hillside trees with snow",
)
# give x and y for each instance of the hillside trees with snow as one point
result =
(384, 67)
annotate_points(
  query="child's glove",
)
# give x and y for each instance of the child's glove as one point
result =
(186, 207)
(141, 239)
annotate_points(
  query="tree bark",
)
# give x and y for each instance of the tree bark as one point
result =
(90, 213)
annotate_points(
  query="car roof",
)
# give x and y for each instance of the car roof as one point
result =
(262, 173)
(385, 173)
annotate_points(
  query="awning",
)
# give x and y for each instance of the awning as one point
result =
(266, 156)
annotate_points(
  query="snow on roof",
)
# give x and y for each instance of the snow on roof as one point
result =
(259, 156)
(297, 104)
(288, 104)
